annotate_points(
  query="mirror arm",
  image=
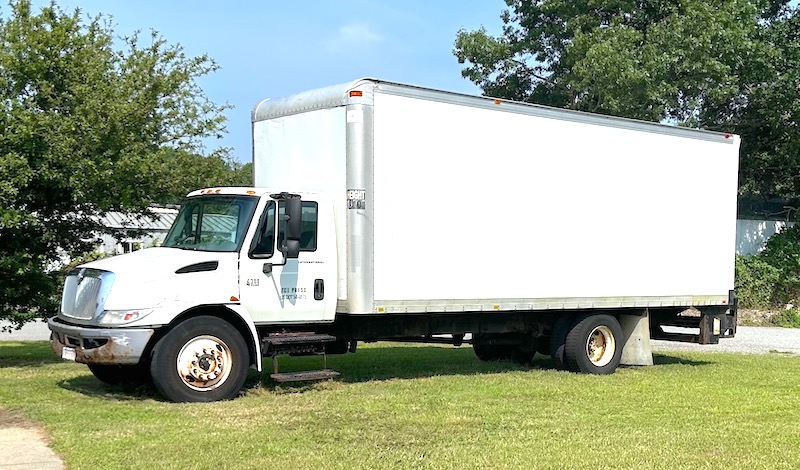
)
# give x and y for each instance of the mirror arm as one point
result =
(267, 268)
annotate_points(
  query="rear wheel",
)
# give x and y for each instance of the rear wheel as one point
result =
(594, 345)
(492, 352)
(120, 374)
(558, 339)
(200, 360)
(505, 347)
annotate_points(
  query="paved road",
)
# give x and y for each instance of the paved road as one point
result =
(749, 339)
(35, 331)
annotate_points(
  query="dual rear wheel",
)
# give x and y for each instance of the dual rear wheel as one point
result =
(590, 344)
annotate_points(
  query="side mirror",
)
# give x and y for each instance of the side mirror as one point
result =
(292, 216)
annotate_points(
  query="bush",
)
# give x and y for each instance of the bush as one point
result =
(783, 253)
(756, 282)
(771, 279)
(788, 318)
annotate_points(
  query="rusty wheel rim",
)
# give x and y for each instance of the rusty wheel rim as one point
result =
(204, 363)
(600, 346)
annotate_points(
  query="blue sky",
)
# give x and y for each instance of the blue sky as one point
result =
(276, 48)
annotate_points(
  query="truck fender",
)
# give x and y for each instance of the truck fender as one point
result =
(251, 326)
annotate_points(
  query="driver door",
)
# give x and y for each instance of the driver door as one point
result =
(277, 290)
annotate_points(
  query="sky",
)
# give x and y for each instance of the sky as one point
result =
(272, 49)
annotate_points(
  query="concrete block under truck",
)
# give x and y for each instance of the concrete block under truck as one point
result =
(388, 212)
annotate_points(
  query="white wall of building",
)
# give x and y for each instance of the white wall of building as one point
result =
(752, 235)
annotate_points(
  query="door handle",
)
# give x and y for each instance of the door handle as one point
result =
(319, 289)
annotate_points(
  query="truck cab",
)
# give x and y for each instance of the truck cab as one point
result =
(240, 257)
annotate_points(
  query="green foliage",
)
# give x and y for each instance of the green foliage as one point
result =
(769, 123)
(732, 67)
(771, 279)
(183, 172)
(783, 253)
(83, 259)
(756, 282)
(88, 129)
(787, 318)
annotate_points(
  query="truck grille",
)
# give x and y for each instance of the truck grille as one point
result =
(85, 291)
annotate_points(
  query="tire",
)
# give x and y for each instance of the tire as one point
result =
(492, 352)
(202, 359)
(121, 374)
(522, 355)
(558, 339)
(594, 345)
(519, 349)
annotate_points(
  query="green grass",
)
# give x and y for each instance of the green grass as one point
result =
(403, 406)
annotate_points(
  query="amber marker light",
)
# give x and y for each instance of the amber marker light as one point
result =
(234, 298)
(356, 93)
(497, 101)
(251, 192)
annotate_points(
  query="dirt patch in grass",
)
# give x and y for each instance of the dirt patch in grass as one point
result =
(14, 420)
(14, 424)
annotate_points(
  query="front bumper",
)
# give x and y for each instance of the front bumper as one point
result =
(99, 345)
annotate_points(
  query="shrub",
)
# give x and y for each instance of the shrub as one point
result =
(771, 279)
(756, 282)
(787, 318)
(783, 253)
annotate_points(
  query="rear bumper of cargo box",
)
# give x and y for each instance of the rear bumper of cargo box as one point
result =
(705, 325)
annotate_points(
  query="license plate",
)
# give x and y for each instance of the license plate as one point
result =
(68, 353)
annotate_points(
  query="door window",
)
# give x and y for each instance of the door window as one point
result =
(308, 226)
(264, 240)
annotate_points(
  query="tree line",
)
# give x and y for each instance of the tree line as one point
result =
(87, 127)
(731, 66)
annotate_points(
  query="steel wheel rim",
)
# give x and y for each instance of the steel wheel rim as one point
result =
(204, 363)
(600, 346)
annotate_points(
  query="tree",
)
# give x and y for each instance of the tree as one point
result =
(729, 66)
(86, 129)
(205, 171)
(768, 119)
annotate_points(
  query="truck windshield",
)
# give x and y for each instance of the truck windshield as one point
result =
(211, 223)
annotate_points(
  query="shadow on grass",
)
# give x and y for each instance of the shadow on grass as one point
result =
(405, 362)
(26, 354)
(368, 364)
(387, 363)
(662, 359)
(88, 385)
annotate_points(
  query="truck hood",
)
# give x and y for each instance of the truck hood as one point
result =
(142, 263)
(165, 277)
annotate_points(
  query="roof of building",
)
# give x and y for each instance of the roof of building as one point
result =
(162, 220)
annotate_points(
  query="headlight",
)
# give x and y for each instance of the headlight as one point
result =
(119, 317)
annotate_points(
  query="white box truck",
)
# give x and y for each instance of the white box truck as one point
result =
(391, 212)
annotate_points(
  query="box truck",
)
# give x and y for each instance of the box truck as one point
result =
(389, 212)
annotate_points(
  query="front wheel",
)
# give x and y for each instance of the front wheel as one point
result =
(200, 360)
(594, 345)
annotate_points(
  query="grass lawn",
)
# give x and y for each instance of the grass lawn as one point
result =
(426, 406)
